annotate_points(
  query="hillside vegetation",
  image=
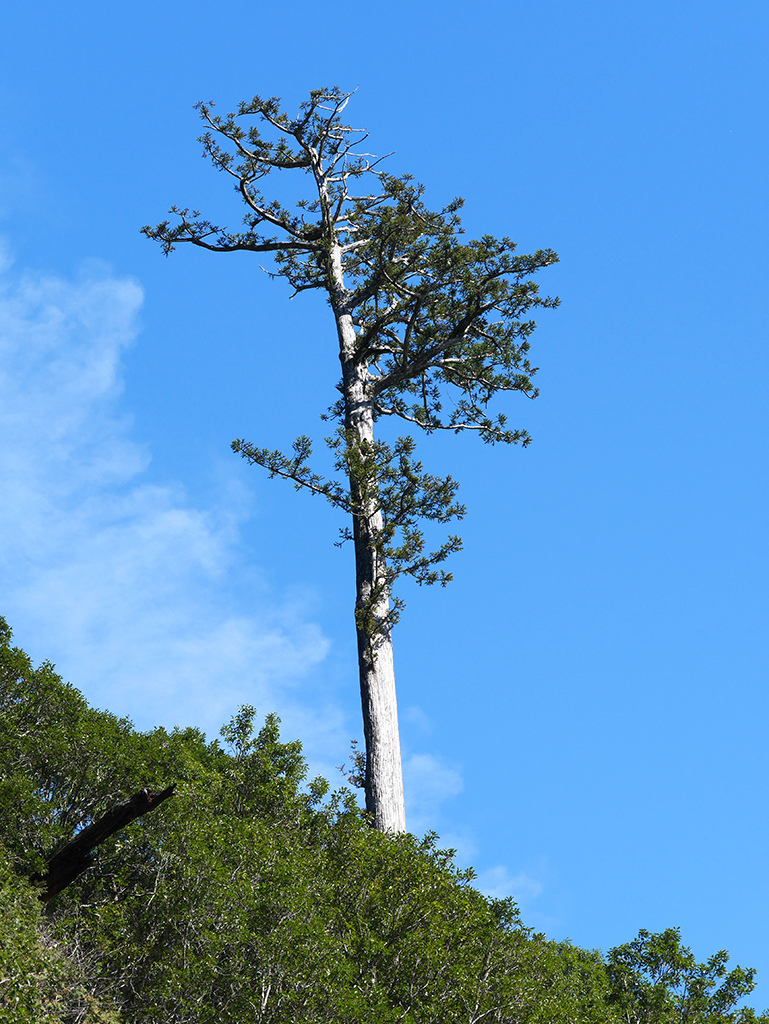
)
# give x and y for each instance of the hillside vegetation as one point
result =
(255, 896)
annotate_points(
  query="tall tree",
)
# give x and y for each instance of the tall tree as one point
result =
(419, 314)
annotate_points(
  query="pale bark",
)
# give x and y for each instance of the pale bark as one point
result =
(384, 775)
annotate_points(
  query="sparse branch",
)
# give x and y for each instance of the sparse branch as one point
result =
(490, 431)
(197, 231)
(264, 214)
(258, 159)
(295, 469)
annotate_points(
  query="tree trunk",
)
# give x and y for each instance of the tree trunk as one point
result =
(384, 774)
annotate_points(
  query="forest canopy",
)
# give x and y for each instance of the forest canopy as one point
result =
(257, 895)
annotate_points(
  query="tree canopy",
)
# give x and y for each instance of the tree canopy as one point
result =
(259, 895)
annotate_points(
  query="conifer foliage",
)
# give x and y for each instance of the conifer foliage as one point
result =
(430, 328)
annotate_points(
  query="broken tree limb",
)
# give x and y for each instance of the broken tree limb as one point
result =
(72, 859)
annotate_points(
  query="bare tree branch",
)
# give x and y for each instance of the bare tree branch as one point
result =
(76, 856)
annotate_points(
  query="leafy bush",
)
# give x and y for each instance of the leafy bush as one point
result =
(255, 896)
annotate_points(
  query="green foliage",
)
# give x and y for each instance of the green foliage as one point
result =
(439, 321)
(430, 309)
(401, 490)
(656, 980)
(40, 981)
(64, 763)
(253, 896)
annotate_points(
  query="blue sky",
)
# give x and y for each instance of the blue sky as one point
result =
(584, 709)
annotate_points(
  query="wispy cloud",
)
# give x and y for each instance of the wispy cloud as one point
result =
(137, 594)
(416, 718)
(428, 782)
(526, 887)
(499, 883)
(141, 597)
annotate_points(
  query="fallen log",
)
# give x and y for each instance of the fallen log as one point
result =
(72, 859)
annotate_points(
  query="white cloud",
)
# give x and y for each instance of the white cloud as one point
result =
(21, 185)
(6, 253)
(498, 883)
(418, 719)
(428, 782)
(140, 597)
(134, 592)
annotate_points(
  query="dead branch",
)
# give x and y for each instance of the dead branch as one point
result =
(72, 859)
